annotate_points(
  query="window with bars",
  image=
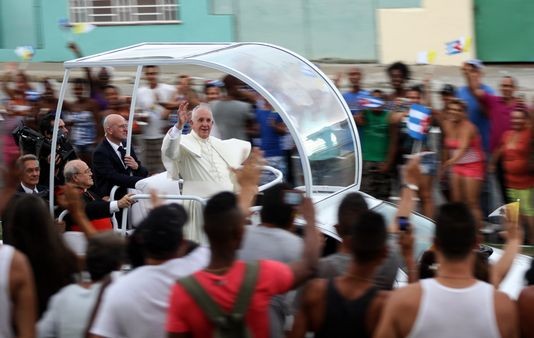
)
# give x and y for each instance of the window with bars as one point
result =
(124, 12)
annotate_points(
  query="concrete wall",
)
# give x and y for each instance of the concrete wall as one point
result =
(402, 33)
(317, 29)
(197, 25)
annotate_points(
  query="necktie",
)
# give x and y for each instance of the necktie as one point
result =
(123, 153)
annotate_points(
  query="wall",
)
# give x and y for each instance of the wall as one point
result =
(402, 33)
(197, 25)
(317, 29)
(505, 30)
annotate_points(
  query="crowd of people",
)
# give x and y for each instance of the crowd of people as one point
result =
(479, 145)
(267, 280)
(190, 271)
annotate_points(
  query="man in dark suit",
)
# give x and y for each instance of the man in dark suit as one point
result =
(111, 165)
(28, 165)
(78, 174)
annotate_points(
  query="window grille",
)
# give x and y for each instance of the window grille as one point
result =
(124, 12)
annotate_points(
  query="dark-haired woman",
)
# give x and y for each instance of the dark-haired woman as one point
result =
(465, 157)
(31, 230)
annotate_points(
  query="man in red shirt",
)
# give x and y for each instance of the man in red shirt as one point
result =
(223, 278)
(499, 109)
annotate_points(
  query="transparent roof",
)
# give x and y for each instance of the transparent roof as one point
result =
(311, 106)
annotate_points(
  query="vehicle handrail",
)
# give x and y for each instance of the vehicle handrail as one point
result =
(278, 178)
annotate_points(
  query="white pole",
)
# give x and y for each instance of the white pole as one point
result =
(62, 92)
(132, 109)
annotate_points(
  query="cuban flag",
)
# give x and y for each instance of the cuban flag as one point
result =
(454, 47)
(418, 121)
(369, 101)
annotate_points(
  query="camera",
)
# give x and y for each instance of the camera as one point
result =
(293, 198)
(33, 142)
(404, 223)
(32, 96)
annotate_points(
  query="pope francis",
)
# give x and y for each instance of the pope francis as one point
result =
(204, 162)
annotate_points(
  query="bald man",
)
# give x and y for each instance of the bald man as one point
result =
(111, 165)
(99, 211)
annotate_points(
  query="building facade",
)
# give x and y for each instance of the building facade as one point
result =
(119, 23)
(345, 30)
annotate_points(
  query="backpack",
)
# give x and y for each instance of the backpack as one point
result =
(226, 325)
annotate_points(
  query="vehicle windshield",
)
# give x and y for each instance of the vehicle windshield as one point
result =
(312, 108)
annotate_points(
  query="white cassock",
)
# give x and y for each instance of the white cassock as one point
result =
(204, 165)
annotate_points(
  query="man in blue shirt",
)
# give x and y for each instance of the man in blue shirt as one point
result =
(474, 110)
(272, 129)
(353, 96)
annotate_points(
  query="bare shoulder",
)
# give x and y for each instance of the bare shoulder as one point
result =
(20, 271)
(503, 302)
(526, 299)
(19, 264)
(506, 314)
(404, 297)
(314, 291)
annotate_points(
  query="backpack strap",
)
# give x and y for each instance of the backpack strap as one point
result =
(214, 312)
(202, 299)
(246, 290)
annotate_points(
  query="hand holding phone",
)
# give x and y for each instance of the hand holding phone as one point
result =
(293, 197)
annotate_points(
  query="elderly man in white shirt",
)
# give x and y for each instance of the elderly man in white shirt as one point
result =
(204, 162)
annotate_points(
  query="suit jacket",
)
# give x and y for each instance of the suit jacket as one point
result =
(95, 208)
(43, 191)
(109, 171)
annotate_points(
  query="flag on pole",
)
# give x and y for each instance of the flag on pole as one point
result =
(369, 101)
(25, 52)
(418, 121)
(460, 45)
(82, 28)
(426, 57)
(512, 209)
(453, 47)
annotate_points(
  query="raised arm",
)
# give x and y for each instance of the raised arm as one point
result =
(305, 268)
(170, 149)
(248, 178)
(412, 176)
(76, 208)
(512, 247)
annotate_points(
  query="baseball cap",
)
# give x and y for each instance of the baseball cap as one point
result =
(475, 63)
(448, 89)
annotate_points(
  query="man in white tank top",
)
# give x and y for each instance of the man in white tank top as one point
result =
(17, 295)
(454, 304)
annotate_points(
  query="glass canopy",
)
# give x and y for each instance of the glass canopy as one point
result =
(311, 106)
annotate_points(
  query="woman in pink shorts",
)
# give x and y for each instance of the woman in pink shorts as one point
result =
(464, 155)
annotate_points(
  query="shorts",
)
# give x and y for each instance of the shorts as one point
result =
(374, 183)
(474, 170)
(526, 200)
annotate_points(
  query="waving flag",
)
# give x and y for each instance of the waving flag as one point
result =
(369, 101)
(511, 208)
(81, 28)
(453, 47)
(460, 45)
(418, 121)
(25, 52)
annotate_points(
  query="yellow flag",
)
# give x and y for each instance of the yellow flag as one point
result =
(432, 56)
(512, 211)
(467, 45)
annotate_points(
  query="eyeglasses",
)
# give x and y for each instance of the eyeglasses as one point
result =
(86, 171)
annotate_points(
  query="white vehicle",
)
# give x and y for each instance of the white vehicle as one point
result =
(317, 117)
